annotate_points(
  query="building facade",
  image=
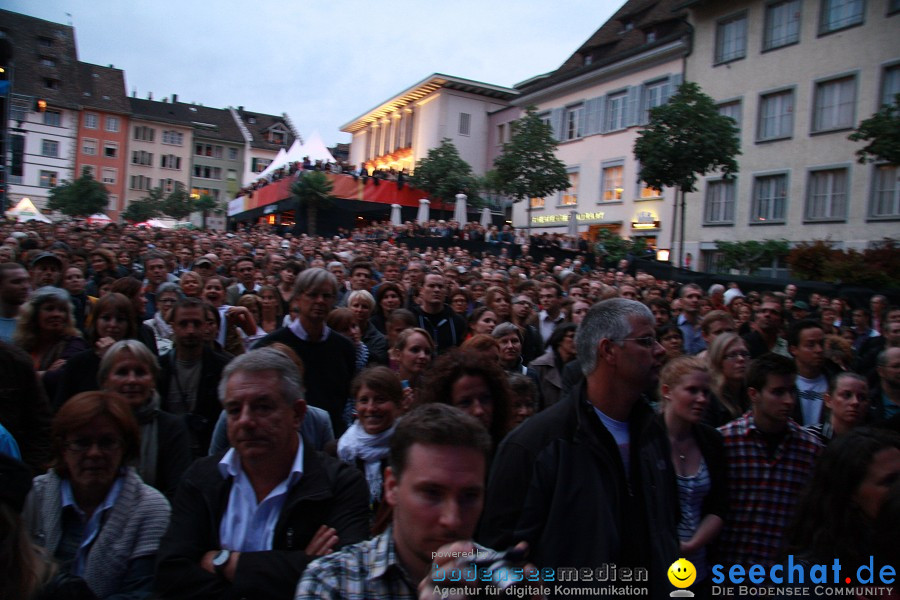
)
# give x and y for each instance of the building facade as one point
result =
(596, 103)
(400, 131)
(797, 76)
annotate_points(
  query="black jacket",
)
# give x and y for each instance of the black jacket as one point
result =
(558, 482)
(329, 493)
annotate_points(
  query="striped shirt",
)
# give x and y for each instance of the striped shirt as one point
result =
(762, 492)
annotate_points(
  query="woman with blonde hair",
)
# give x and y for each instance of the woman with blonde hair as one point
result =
(728, 359)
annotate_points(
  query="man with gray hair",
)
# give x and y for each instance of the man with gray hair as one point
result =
(246, 523)
(589, 480)
(329, 358)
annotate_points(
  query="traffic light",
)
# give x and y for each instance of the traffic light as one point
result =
(40, 105)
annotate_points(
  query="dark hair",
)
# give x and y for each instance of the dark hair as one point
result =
(127, 286)
(477, 314)
(559, 334)
(668, 328)
(768, 364)
(456, 364)
(186, 302)
(120, 305)
(402, 314)
(340, 319)
(379, 379)
(436, 425)
(798, 327)
(80, 410)
(827, 522)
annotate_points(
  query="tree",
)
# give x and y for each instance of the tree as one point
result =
(178, 204)
(443, 174)
(882, 131)
(686, 138)
(80, 198)
(206, 203)
(144, 209)
(752, 255)
(312, 191)
(528, 168)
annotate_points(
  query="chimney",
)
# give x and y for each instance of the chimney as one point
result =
(174, 98)
(149, 95)
(134, 93)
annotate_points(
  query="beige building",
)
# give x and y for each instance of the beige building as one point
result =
(400, 131)
(596, 103)
(798, 76)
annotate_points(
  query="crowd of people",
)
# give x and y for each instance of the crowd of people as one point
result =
(212, 415)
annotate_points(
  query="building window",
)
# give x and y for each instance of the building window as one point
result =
(465, 123)
(205, 172)
(48, 61)
(89, 170)
(110, 149)
(611, 182)
(782, 24)
(834, 104)
(174, 138)
(170, 161)
(53, 118)
(615, 111)
(731, 110)
(50, 148)
(232, 154)
(537, 203)
(231, 175)
(48, 179)
(258, 165)
(776, 116)
(168, 185)
(91, 121)
(720, 201)
(826, 198)
(277, 136)
(501, 130)
(208, 150)
(569, 197)
(51, 83)
(645, 192)
(893, 6)
(731, 38)
(139, 182)
(139, 157)
(890, 85)
(885, 192)
(654, 95)
(572, 123)
(769, 199)
(45, 42)
(109, 176)
(112, 124)
(144, 133)
(839, 14)
(89, 147)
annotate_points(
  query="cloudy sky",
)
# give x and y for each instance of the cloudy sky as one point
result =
(323, 63)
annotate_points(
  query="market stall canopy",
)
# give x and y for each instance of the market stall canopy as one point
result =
(25, 210)
(98, 218)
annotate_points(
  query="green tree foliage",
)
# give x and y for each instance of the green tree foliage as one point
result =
(685, 138)
(179, 204)
(614, 247)
(750, 256)
(206, 204)
(80, 198)
(882, 132)
(877, 267)
(443, 174)
(528, 167)
(312, 191)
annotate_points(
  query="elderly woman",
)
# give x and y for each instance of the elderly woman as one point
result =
(113, 321)
(362, 304)
(46, 330)
(191, 284)
(166, 297)
(549, 366)
(474, 385)
(130, 369)
(91, 512)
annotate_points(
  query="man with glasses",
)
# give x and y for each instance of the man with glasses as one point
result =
(589, 480)
(329, 358)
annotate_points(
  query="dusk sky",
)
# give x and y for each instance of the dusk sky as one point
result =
(323, 63)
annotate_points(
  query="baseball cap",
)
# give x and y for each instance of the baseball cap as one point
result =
(46, 256)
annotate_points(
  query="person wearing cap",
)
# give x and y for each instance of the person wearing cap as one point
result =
(205, 266)
(46, 269)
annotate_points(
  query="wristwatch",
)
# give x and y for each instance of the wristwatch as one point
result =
(220, 561)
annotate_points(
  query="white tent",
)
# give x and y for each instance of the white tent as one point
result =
(459, 213)
(25, 210)
(295, 154)
(98, 219)
(315, 149)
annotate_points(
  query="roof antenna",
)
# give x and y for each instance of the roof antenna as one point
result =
(70, 18)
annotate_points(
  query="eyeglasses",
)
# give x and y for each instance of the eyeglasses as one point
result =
(104, 444)
(648, 341)
(737, 354)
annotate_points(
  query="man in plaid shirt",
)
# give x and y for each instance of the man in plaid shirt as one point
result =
(770, 459)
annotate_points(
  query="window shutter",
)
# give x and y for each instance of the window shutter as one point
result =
(592, 116)
(556, 122)
(672, 86)
(601, 118)
(633, 105)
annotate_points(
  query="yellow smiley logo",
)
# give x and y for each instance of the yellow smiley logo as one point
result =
(682, 573)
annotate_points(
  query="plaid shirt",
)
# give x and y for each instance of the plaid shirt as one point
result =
(369, 570)
(762, 493)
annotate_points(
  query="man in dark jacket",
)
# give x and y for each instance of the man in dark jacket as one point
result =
(447, 329)
(246, 524)
(589, 481)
